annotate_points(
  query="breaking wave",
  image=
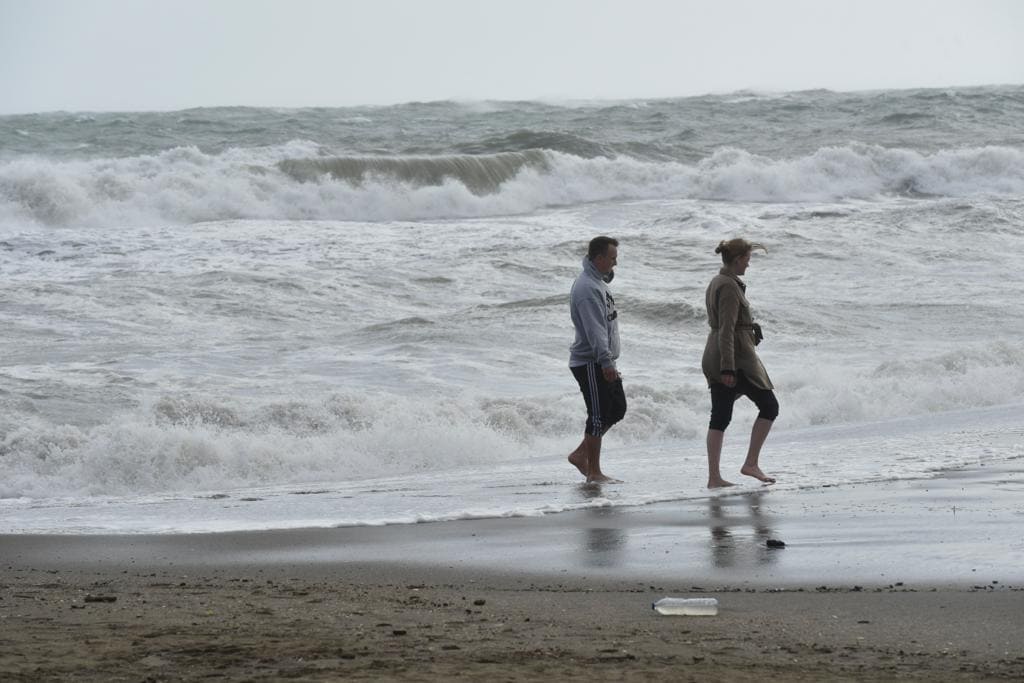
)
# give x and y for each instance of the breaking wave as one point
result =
(291, 182)
(479, 174)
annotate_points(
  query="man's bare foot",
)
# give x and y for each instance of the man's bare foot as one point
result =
(756, 473)
(603, 479)
(718, 483)
(580, 461)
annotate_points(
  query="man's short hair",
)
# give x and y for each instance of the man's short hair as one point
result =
(599, 246)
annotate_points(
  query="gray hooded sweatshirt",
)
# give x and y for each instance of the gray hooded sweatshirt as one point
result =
(595, 319)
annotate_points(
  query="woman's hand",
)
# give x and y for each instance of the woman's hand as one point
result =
(728, 379)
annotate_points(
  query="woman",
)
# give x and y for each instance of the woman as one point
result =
(730, 362)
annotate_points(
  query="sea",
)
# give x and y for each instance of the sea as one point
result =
(226, 319)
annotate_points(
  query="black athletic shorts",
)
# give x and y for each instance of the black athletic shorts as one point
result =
(606, 401)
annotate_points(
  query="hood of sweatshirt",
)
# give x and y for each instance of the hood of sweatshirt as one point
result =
(591, 269)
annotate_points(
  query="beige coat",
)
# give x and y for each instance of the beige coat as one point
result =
(731, 341)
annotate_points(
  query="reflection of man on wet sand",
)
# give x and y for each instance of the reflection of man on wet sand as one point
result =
(593, 353)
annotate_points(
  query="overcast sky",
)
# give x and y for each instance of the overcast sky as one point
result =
(112, 55)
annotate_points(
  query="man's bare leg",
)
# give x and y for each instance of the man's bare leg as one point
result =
(758, 434)
(715, 439)
(579, 457)
(592, 448)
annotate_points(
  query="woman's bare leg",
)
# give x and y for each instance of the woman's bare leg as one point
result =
(715, 439)
(758, 434)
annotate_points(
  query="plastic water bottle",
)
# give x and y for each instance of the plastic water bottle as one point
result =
(696, 607)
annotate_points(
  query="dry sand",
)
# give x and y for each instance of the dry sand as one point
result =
(880, 582)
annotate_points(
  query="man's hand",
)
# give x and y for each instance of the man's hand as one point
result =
(728, 379)
(611, 374)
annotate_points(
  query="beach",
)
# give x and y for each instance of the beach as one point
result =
(906, 580)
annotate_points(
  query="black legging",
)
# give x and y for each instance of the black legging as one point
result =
(723, 397)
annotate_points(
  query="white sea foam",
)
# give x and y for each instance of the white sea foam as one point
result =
(524, 487)
(189, 444)
(186, 185)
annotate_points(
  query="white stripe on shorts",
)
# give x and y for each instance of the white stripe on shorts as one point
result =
(595, 398)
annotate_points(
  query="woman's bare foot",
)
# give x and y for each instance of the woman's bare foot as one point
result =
(579, 461)
(718, 483)
(756, 473)
(603, 479)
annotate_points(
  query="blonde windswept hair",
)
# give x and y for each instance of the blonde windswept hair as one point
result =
(736, 247)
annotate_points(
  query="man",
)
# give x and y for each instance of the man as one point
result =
(593, 353)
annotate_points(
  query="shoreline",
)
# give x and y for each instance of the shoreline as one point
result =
(959, 528)
(875, 583)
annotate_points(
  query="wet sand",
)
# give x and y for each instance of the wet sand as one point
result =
(918, 580)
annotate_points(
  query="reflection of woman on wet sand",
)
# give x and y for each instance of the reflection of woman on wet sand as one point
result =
(730, 362)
